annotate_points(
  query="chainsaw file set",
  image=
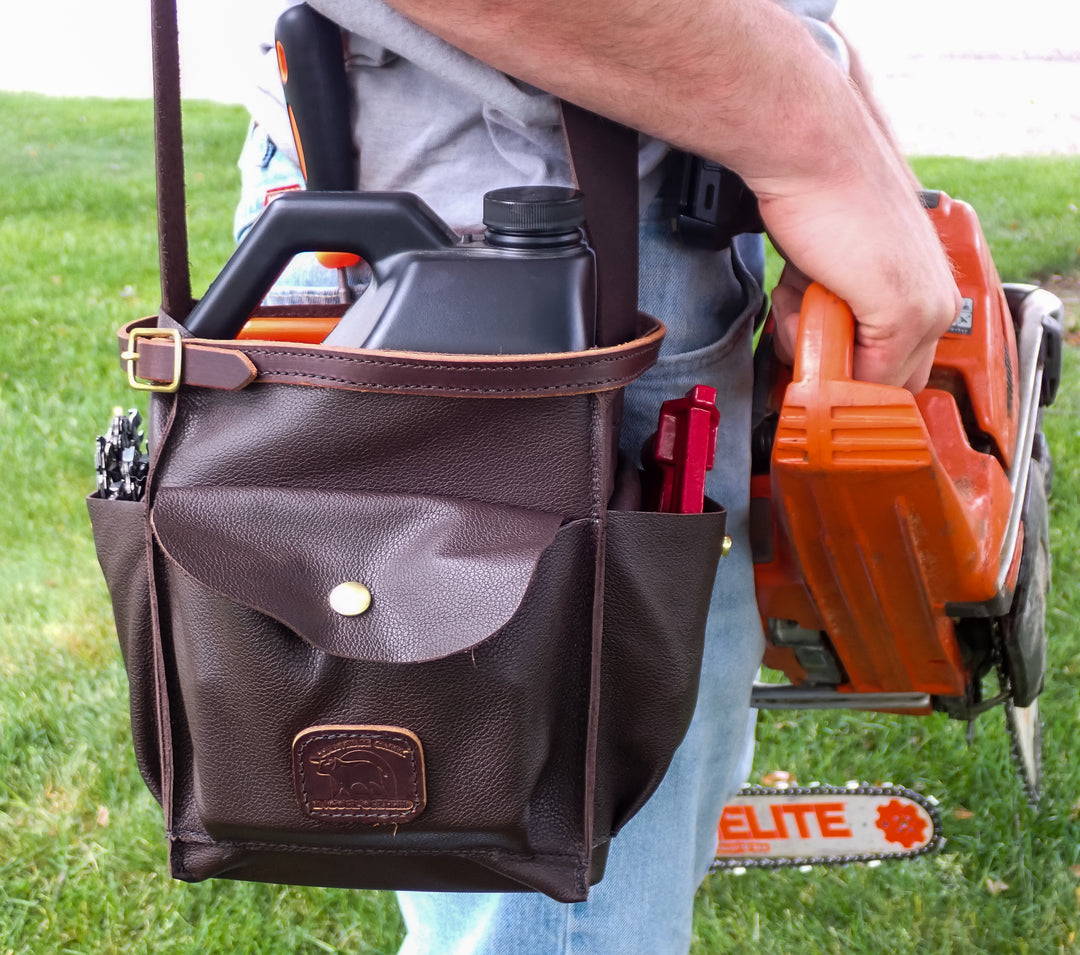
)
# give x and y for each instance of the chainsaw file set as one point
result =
(901, 541)
(381, 626)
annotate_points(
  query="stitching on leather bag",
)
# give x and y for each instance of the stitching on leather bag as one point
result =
(202, 838)
(446, 366)
(449, 389)
(348, 850)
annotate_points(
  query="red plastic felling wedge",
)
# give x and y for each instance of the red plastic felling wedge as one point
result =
(681, 451)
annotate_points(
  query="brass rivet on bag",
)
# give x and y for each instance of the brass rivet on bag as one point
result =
(350, 599)
(725, 548)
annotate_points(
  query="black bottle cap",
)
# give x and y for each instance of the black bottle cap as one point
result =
(534, 210)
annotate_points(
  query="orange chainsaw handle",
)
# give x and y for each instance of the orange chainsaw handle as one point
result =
(825, 344)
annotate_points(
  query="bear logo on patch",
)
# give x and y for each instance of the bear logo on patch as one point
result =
(373, 774)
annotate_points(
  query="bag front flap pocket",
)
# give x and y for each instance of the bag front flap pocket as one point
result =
(387, 578)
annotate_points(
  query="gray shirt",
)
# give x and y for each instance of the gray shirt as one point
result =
(430, 119)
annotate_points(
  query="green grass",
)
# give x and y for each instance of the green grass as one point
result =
(82, 858)
(82, 868)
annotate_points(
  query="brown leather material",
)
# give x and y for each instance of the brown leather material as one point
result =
(542, 650)
(611, 219)
(169, 161)
(481, 530)
(655, 678)
(120, 539)
(502, 727)
(395, 444)
(335, 867)
(529, 658)
(443, 574)
(233, 365)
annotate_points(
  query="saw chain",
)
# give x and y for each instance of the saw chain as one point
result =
(120, 459)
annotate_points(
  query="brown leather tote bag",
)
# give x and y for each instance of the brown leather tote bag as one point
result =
(382, 623)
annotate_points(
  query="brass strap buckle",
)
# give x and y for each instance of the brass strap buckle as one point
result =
(130, 355)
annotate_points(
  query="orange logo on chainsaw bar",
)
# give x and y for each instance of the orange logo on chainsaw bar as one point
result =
(789, 821)
(901, 823)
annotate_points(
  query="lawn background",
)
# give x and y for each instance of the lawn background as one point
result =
(82, 857)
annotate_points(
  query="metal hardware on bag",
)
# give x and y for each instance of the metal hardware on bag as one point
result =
(350, 599)
(728, 544)
(130, 355)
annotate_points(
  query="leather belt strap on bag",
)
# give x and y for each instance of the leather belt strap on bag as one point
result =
(161, 359)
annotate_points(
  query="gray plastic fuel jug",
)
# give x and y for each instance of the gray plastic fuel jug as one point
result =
(527, 286)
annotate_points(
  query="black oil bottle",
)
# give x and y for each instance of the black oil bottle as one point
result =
(528, 286)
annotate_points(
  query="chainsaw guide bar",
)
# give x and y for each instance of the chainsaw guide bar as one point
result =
(1024, 725)
(768, 828)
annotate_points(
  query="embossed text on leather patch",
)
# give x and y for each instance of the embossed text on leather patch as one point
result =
(372, 773)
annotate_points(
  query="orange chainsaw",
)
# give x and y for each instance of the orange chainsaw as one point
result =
(900, 541)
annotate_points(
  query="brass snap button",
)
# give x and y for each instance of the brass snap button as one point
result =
(350, 599)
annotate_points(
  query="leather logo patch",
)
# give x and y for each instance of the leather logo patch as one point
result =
(374, 773)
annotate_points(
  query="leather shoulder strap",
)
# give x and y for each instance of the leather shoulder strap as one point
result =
(176, 297)
(604, 158)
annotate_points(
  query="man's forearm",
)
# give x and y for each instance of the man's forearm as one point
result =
(861, 80)
(722, 79)
(742, 82)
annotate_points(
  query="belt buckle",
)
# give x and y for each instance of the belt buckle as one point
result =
(130, 355)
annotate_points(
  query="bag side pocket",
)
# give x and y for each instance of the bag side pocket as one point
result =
(120, 539)
(653, 643)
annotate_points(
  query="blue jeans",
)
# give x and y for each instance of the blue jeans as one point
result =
(644, 904)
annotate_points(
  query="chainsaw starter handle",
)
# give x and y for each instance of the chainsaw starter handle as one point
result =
(825, 346)
(374, 225)
(311, 63)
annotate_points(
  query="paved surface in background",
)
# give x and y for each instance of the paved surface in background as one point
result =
(959, 77)
(974, 77)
